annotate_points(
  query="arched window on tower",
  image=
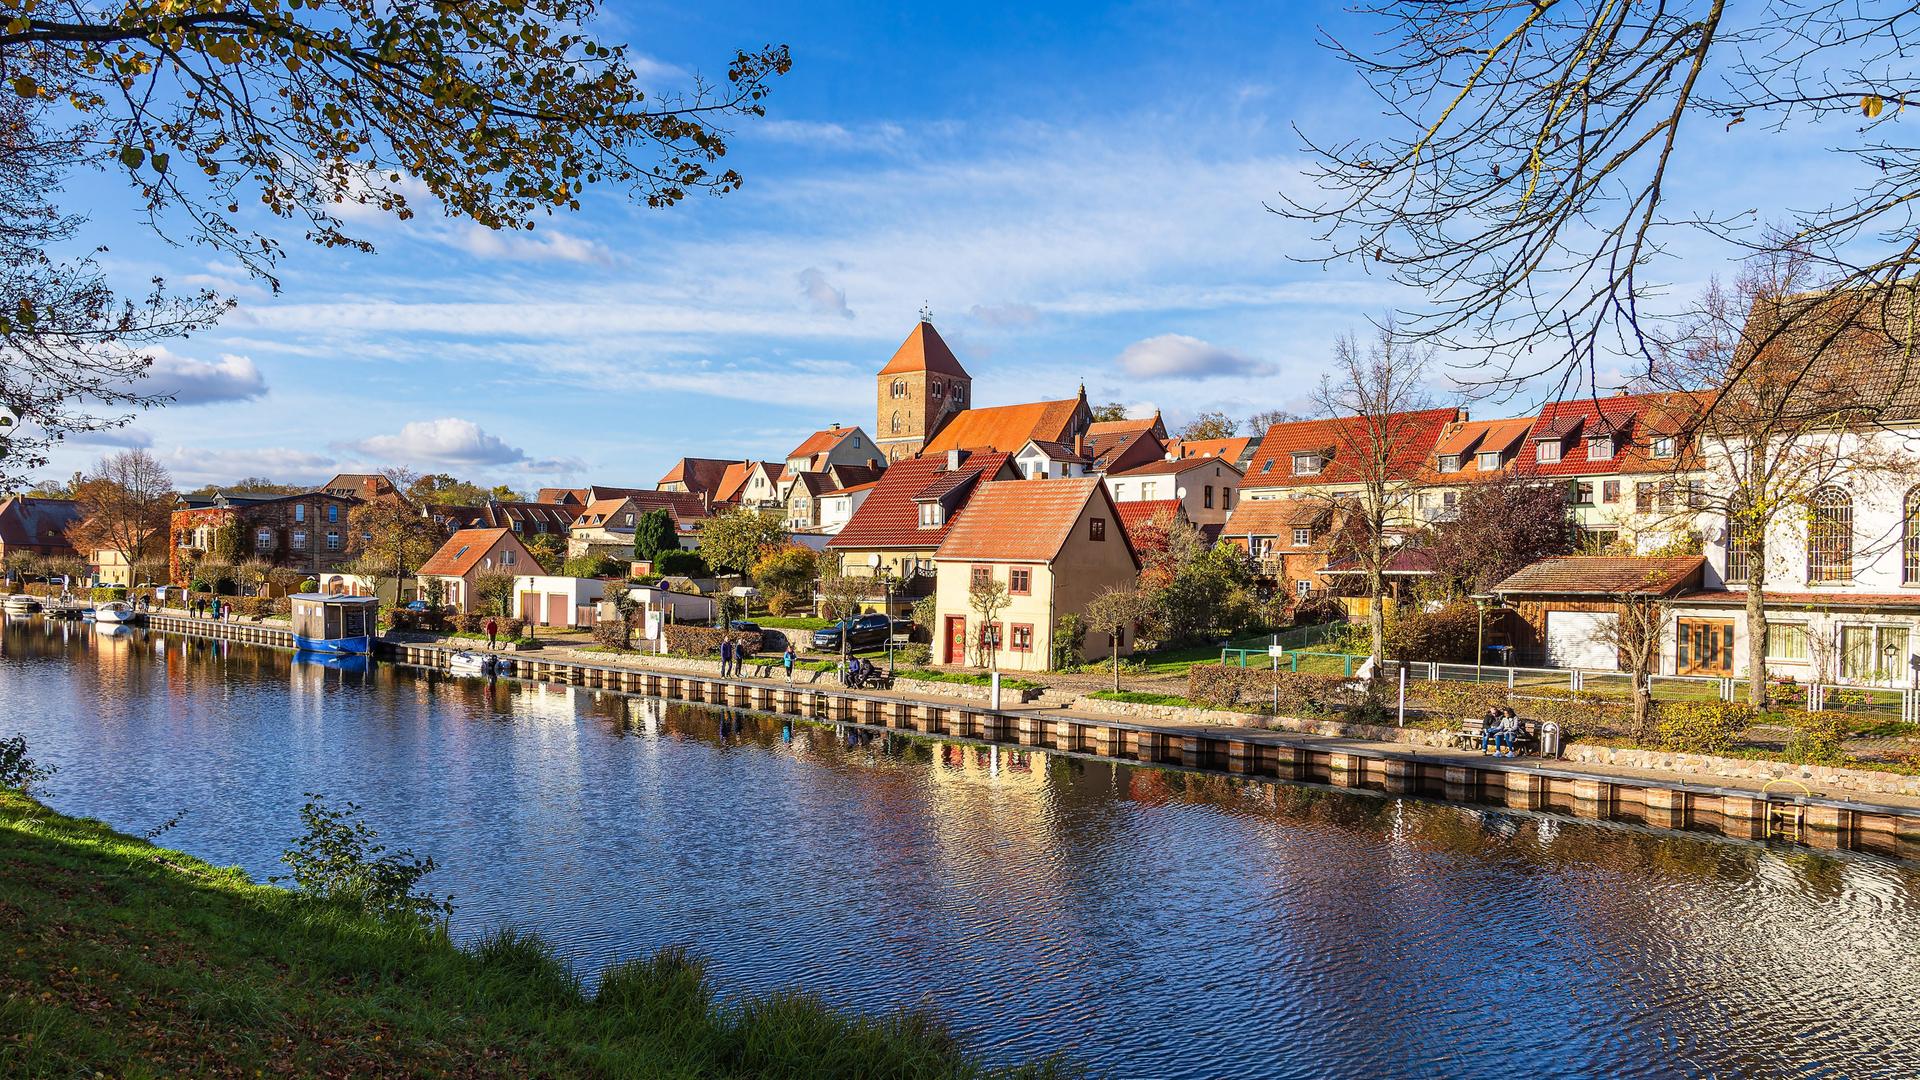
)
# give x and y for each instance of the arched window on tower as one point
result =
(936, 388)
(896, 423)
(899, 388)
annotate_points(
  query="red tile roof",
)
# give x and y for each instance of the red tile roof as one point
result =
(33, 522)
(1411, 434)
(1023, 520)
(502, 515)
(1633, 418)
(1274, 517)
(732, 480)
(924, 351)
(562, 495)
(889, 518)
(1123, 449)
(698, 474)
(464, 550)
(1470, 438)
(1604, 575)
(1227, 449)
(1129, 425)
(819, 442)
(1135, 514)
(1164, 467)
(1007, 428)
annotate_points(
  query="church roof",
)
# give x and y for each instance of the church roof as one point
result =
(1007, 428)
(924, 351)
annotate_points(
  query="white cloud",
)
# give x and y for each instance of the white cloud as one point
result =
(821, 294)
(533, 245)
(446, 441)
(1004, 316)
(193, 466)
(826, 135)
(200, 382)
(1177, 355)
(122, 437)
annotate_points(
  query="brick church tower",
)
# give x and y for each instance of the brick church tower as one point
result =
(919, 389)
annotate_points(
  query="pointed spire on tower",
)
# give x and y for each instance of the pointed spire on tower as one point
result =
(926, 313)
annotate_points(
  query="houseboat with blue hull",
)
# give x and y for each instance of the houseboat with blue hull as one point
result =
(340, 625)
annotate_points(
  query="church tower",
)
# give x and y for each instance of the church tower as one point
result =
(920, 388)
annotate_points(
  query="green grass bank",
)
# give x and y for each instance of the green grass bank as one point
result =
(124, 959)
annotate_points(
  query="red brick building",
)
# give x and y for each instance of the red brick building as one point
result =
(306, 532)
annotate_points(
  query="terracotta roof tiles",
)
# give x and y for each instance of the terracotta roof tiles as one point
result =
(463, 551)
(924, 350)
(1413, 435)
(1604, 575)
(1274, 517)
(1022, 520)
(889, 518)
(1006, 428)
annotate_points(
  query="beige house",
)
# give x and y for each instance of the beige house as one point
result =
(1206, 487)
(834, 446)
(466, 555)
(1054, 545)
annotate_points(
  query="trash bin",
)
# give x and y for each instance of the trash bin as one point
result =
(1550, 739)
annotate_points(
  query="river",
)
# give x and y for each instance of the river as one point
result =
(1148, 922)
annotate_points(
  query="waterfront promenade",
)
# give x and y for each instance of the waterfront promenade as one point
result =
(1822, 808)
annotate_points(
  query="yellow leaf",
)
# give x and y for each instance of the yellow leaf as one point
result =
(1872, 104)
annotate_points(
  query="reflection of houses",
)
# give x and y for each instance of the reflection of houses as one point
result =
(307, 532)
(1053, 545)
(468, 554)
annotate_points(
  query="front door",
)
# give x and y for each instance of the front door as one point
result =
(1705, 647)
(956, 640)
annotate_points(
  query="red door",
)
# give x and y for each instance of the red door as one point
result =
(956, 640)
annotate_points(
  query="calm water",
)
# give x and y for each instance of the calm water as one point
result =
(1151, 923)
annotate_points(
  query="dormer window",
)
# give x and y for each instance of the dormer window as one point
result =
(1663, 447)
(1450, 462)
(1489, 460)
(1600, 448)
(1547, 451)
(1308, 463)
(932, 515)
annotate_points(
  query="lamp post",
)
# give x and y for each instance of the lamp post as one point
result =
(886, 607)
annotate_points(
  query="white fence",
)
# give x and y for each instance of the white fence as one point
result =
(1890, 702)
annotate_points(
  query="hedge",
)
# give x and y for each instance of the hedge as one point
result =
(1235, 687)
(705, 640)
(107, 594)
(1700, 727)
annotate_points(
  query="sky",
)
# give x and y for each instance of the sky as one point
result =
(1078, 193)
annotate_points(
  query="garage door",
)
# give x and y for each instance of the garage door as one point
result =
(557, 609)
(1578, 639)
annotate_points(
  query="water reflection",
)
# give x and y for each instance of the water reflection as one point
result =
(1153, 922)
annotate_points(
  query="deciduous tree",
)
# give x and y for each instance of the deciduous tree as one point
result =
(737, 539)
(1209, 425)
(1111, 612)
(388, 536)
(987, 596)
(125, 502)
(653, 533)
(1497, 526)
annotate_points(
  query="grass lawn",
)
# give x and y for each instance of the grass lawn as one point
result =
(1141, 697)
(793, 622)
(123, 959)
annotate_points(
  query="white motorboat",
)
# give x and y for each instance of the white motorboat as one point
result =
(116, 611)
(21, 604)
(474, 663)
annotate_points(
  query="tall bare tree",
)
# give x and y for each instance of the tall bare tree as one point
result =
(1789, 373)
(987, 596)
(1636, 631)
(1375, 463)
(1525, 182)
(125, 502)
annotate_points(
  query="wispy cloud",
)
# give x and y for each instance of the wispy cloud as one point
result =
(821, 295)
(187, 381)
(192, 466)
(446, 441)
(1179, 356)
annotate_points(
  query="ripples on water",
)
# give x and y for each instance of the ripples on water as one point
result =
(1150, 922)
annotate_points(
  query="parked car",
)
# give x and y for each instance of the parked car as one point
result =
(744, 627)
(862, 632)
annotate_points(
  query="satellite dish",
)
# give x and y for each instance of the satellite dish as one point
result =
(1719, 535)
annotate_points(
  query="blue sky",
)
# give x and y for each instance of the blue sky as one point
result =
(1076, 191)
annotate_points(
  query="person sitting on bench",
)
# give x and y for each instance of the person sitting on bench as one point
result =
(1503, 732)
(1488, 725)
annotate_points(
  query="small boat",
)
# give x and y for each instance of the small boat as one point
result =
(486, 665)
(117, 611)
(21, 604)
(327, 623)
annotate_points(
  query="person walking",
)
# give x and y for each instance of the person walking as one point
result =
(726, 657)
(493, 631)
(786, 661)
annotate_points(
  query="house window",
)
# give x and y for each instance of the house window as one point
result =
(1226, 498)
(506, 557)
(1600, 448)
(333, 540)
(959, 394)
(1308, 464)
(1022, 638)
(1830, 536)
(1096, 528)
(1020, 581)
(1209, 497)
(1302, 537)
(1610, 491)
(1489, 461)
(899, 388)
(1548, 452)
(1787, 641)
(1873, 653)
(263, 540)
(539, 527)
(629, 519)
(1740, 537)
(1583, 493)
(299, 541)
(1148, 489)
(1302, 587)
(299, 511)
(1910, 540)
(932, 515)
(333, 515)
(982, 576)
(516, 524)
(1449, 462)
(1663, 447)
(1643, 493)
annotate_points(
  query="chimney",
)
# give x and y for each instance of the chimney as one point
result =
(953, 459)
(1080, 444)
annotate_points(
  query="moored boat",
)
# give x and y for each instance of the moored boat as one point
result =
(325, 623)
(21, 604)
(487, 665)
(116, 611)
